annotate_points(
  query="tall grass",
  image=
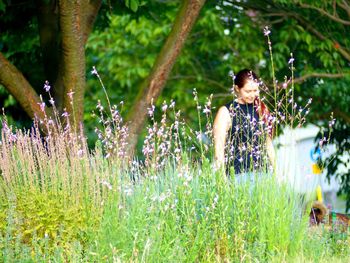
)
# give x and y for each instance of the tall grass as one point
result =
(61, 202)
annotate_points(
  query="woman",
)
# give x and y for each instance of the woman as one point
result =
(243, 130)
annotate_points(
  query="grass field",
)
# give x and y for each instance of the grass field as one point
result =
(61, 202)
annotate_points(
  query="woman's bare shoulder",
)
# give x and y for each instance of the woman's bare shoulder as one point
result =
(223, 116)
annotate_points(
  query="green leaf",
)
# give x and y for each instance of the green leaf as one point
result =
(132, 4)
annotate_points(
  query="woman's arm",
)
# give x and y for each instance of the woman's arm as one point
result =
(222, 124)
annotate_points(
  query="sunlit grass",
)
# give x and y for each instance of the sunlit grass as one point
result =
(75, 204)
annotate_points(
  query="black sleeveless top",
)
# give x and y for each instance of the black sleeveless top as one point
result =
(246, 147)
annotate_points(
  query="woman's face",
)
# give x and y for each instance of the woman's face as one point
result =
(248, 92)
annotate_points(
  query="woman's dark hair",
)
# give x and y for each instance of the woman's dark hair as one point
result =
(243, 76)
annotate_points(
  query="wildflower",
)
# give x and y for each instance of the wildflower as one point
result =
(206, 110)
(266, 31)
(80, 153)
(65, 114)
(107, 184)
(216, 198)
(331, 123)
(70, 95)
(291, 60)
(42, 106)
(151, 110)
(12, 137)
(164, 107)
(94, 71)
(52, 102)
(47, 86)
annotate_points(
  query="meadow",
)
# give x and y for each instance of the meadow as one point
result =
(63, 202)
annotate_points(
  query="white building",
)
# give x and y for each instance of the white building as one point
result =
(296, 157)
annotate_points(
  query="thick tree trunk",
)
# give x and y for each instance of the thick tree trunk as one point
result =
(50, 41)
(63, 29)
(20, 89)
(73, 58)
(152, 87)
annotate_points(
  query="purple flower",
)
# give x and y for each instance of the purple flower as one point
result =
(47, 86)
(42, 106)
(70, 95)
(65, 114)
(52, 102)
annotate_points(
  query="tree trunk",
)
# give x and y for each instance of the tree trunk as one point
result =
(152, 87)
(89, 14)
(73, 58)
(63, 31)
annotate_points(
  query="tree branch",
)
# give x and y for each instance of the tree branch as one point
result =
(92, 8)
(14, 81)
(311, 29)
(337, 112)
(345, 6)
(325, 13)
(320, 75)
(151, 87)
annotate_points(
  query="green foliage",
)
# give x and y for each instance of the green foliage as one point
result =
(31, 214)
(132, 4)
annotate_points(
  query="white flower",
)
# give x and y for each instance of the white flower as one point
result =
(266, 31)
(47, 86)
(94, 71)
(107, 184)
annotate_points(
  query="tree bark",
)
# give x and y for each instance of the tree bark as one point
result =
(152, 87)
(76, 22)
(64, 27)
(20, 89)
(73, 59)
